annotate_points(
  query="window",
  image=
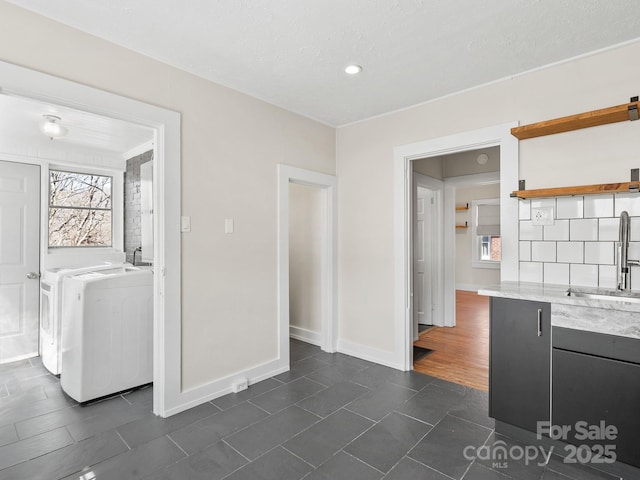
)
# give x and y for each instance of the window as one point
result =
(80, 210)
(486, 242)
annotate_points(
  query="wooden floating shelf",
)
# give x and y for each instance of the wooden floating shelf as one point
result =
(463, 226)
(604, 116)
(462, 208)
(626, 187)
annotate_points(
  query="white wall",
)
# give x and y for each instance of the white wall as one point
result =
(467, 276)
(305, 229)
(231, 144)
(365, 154)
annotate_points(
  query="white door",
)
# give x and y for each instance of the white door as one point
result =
(19, 260)
(422, 257)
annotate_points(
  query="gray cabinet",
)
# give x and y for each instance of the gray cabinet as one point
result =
(520, 362)
(596, 378)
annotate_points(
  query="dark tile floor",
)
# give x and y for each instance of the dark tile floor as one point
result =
(331, 417)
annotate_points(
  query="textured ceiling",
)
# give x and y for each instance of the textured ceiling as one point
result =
(292, 53)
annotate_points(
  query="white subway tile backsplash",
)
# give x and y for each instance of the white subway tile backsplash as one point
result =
(543, 203)
(600, 253)
(608, 229)
(528, 231)
(524, 209)
(525, 251)
(628, 202)
(570, 252)
(583, 275)
(634, 250)
(607, 276)
(580, 247)
(570, 207)
(558, 231)
(531, 272)
(557, 273)
(635, 229)
(596, 206)
(583, 229)
(543, 251)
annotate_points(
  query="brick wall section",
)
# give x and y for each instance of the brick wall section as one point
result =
(132, 233)
(496, 248)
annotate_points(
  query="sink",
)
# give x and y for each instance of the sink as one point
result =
(603, 294)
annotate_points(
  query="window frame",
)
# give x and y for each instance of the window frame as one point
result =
(116, 212)
(476, 241)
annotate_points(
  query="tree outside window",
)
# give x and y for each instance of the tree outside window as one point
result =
(79, 210)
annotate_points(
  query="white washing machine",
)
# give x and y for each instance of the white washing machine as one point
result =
(51, 311)
(107, 341)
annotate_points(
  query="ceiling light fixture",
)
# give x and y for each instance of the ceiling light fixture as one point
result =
(51, 128)
(482, 159)
(353, 69)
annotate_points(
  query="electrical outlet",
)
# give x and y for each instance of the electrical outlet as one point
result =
(240, 385)
(542, 216)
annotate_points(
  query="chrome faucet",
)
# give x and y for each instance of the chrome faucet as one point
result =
(623, 263)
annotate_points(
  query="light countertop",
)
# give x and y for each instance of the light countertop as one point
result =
(611, 317)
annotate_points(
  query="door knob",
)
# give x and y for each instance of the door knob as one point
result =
(33, 275)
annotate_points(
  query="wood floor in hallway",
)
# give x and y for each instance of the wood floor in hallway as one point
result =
(459, 354)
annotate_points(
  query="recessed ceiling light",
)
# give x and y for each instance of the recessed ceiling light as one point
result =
(353, 69)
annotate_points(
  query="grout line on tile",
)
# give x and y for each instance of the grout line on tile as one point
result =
(413, 418)
(176, 444)
(121, 438)
(431, 468)
(297, 456)
(239, 452)
(362, 461)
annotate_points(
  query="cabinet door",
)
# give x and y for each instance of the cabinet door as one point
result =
(593, 389)
(520, 361)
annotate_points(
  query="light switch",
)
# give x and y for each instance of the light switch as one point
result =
(185, 224)
(228, 225)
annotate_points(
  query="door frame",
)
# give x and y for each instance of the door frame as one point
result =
(497, 135)
(328, 261)
(168, 397)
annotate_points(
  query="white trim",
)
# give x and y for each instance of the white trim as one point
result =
(428, 182)
(305, 335)
(223, 386)
(403, 155)
(19, 81)
(328, 261)
(139, 150)
(375, 355)
(488, 178)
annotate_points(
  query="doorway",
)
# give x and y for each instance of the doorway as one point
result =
(24, 83)
(499, 135)
(326, 186)
(305, 260)
(457, 350)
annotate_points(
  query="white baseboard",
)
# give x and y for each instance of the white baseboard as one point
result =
(468, 287)
(204, 393)
(370, 354)
(305, 335)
